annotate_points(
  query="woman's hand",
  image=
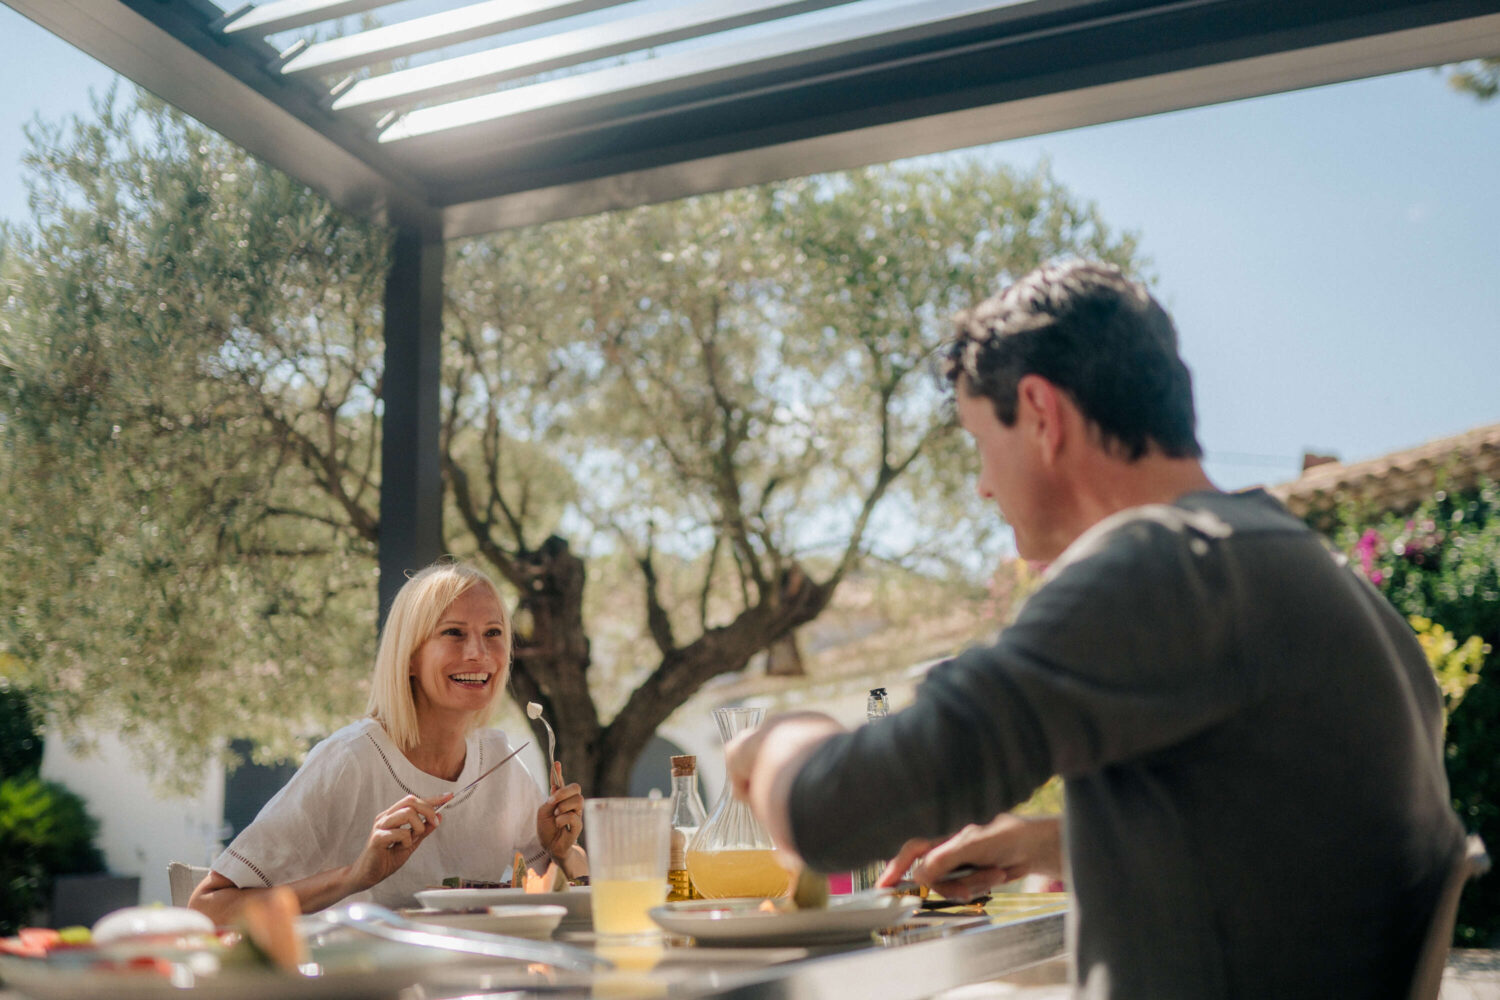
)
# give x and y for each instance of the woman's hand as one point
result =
(396, 833)
(1006, 848)
(560, 819)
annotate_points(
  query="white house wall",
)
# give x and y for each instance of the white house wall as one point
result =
(140, 829)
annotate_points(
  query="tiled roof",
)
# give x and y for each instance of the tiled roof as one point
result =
(1399, 480)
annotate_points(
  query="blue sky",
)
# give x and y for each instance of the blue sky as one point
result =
(1331, 256)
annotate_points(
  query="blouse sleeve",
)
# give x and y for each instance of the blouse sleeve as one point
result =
(295, 834)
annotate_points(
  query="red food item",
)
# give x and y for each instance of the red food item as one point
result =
(146, 963)
(15, 946)
(39, 937)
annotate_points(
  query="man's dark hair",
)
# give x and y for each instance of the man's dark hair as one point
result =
(1093, 333)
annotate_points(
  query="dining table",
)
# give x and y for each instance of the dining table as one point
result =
(925, 954)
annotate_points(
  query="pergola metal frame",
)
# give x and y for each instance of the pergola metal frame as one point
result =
(584, 106)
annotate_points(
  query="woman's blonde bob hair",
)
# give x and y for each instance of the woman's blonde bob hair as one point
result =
(414, 616)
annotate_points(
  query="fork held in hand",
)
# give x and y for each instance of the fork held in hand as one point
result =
(534, 711)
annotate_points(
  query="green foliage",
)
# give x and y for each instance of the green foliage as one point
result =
(44, 832)
(1480, 78)
(1440, 566)
(20, 743)
(1455, 666)
(187, 414)
(1045, 801)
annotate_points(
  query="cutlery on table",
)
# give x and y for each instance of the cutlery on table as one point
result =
(377, 921)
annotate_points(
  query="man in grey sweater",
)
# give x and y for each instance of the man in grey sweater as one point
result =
(1249, 736)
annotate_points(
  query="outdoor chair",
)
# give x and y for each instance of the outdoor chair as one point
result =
(182, 879)
(1434, 955)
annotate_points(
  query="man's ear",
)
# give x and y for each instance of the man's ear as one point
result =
(1041, 404)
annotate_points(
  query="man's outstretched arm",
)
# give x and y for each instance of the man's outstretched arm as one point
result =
(762, 764)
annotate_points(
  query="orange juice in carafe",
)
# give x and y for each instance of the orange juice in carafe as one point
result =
(748, 872)
(732, 854)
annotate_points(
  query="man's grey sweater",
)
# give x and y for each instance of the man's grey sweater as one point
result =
(1251, 744)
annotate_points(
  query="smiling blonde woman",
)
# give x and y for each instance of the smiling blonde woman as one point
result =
(360, 819)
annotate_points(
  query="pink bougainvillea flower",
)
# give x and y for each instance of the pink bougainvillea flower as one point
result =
(1366, 548)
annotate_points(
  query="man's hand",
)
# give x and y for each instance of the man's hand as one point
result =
(1006, 848)
(761, 764)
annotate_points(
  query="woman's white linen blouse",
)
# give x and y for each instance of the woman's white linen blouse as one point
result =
(323, 816)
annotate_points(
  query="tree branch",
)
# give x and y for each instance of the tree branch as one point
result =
(887, 475)
(463, 499)
(732, 431)
(708, 582)
(491, 440)
(797, 600)
(657, 621)
(325, 469)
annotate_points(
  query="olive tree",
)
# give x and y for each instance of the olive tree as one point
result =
(720, 406)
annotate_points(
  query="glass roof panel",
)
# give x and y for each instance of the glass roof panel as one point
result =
(780, 44)
(656, 26)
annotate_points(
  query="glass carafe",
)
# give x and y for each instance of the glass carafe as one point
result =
(732, 854)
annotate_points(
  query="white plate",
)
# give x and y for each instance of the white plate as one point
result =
(354, 967)
(741, 922)
(577, 900)
(517, 921)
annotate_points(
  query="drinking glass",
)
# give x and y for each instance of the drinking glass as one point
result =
(628, 844)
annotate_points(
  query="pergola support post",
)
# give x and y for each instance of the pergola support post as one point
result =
(411, 486)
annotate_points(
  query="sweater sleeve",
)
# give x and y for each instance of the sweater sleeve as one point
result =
(1126, 650)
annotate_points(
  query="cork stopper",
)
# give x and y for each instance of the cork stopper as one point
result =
(684, 766)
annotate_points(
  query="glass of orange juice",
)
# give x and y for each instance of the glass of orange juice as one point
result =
(628, 842)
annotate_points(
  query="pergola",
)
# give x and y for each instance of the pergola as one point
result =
(514, 112)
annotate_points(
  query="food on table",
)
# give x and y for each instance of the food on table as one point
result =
(159, 940)
(554, 879)
(75, 935)
(139, 923)
(810, 890)
(268, 923)
(455, 882)
(39, 942)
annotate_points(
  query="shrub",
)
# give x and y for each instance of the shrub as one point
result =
(44, 832)
(20, 744)
(1440, 566)
(44, 828)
